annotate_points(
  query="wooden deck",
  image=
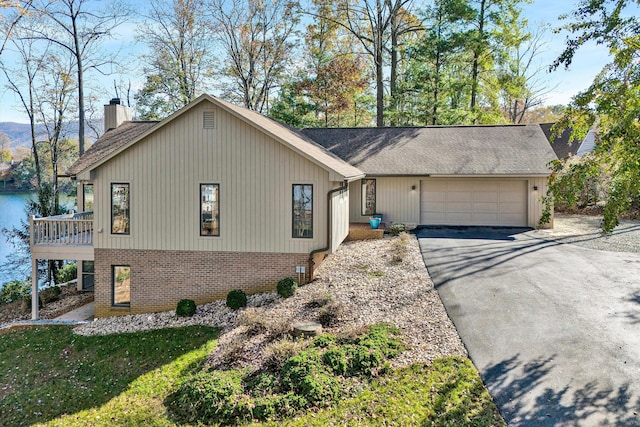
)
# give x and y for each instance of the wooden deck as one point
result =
(62, 236)
(363, 231)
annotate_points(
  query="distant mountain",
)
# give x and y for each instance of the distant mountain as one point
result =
(20, 133)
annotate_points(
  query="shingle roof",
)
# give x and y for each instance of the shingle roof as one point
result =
(561, 144)
(109, 143)
(441, 150)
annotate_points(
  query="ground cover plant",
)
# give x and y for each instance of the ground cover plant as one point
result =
(447, 393)
(49, 376)
(318, 375)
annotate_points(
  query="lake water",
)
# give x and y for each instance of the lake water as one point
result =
(11, 213)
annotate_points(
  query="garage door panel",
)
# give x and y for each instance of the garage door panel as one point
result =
(459, 207)
(434, 207)
(486, 218)
(515, 186)
(485, 207)
(458, 186)
(488, 186)
(510, 219)
(459, 196)
(511, 208)
(434, 217)
(459, 218)
(485, 196)
(435, 196)
(473, 202)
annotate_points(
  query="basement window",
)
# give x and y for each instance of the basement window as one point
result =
(121, 286)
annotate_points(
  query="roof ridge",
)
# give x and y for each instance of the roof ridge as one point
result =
(424, 127)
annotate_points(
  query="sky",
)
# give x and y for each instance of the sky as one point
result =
(562, 84)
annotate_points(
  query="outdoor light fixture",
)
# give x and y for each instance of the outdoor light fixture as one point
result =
(413, 187)
(535, 188)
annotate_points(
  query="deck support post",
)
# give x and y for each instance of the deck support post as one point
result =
(35, 300)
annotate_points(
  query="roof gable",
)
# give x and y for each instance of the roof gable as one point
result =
(441, 150)
(561, 144)
(118, 140)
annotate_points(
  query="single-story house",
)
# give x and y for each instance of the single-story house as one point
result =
(216, 197)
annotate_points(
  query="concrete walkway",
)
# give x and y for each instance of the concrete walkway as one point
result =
(79, 314)
(553, 328)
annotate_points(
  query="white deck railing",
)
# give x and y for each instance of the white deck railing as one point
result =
(72, 229)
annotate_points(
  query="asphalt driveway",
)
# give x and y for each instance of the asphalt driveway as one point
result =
(553, 328)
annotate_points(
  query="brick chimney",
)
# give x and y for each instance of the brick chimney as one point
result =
(115, 113)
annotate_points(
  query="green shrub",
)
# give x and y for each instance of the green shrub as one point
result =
(208, 396)
(13, 291)
(67, 273)
(262, 384)
(287, 287)
(336, 360)
(236, 298)
(50, 294)
(186, 308)
(362, 359)
(299, 366)
(305, 375)
(324, 340)
(383, 337)
(397, 228)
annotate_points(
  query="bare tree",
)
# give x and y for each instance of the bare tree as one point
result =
(55, 105)
(179, 62)
(79, 26)
(22, 9)
(376, 23)
(521, 85)
(256, 36)
(21, 78)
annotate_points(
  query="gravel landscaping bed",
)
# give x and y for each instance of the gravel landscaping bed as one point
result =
(363, 283)
(585, 231)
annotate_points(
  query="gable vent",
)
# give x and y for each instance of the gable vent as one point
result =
(209, 119)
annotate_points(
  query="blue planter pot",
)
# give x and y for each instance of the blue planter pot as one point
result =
(375, 222)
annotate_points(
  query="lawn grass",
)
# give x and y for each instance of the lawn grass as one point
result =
(48, 372)
(49, 376)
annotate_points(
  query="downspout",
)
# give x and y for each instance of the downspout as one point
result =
(344, 187)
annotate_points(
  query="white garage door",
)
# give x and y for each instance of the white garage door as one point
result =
(473, 202)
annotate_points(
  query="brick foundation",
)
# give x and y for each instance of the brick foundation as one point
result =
(159, 279)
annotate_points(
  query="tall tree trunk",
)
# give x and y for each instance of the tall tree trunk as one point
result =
(379, 90)
(477, 51)
(393, 83)
(81, 115)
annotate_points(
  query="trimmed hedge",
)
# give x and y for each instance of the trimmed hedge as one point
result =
(236, 298)
(287, 287)
(186, 308)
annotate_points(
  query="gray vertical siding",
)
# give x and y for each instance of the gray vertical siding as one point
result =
(255, 173)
